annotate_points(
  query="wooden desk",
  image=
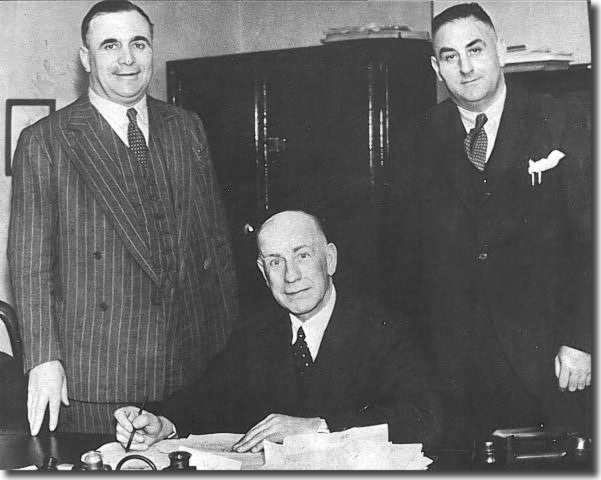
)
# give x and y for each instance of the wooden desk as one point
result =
(19, 450)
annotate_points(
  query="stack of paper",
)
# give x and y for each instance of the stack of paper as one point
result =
(365, 448)
(523, 59)
(372, 30)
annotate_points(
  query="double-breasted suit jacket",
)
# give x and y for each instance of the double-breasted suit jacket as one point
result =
(368, 370)
(87, 286)
(492, 254)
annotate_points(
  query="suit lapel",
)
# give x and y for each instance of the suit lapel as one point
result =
(168, 142)
(452, 163)
(510, 150)
(338, 350)
(94, 156)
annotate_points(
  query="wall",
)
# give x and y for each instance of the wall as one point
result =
(561, 25)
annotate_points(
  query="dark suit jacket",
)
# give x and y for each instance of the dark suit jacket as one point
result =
(82, 274)
(13, 417)
(368, 371)
(493, 252)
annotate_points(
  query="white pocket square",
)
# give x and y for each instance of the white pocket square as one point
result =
(544, 164)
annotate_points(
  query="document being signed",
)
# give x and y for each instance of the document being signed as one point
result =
(363, 448)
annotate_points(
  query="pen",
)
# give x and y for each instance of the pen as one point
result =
(131, 437)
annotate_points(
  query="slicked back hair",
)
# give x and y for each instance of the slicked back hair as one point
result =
(456, 12)
(110, 6)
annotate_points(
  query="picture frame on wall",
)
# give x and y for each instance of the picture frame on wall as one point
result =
(20, 113)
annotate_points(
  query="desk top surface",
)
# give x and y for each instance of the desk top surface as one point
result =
(21, 450)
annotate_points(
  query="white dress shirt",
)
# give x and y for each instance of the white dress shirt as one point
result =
(116, 115)
(491, 127)
(315, 327)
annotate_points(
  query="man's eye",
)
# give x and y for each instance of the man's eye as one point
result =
(110, 46)
(475, 50)
(449, 57)
(274, 262)
(140, 45)
(304, 255)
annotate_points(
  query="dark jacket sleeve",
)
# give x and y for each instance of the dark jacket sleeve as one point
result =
(399, 386)
(570, 123)
(211, 403)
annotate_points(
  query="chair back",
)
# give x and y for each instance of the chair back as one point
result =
(9, 318)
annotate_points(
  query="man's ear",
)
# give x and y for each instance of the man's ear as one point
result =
(261, 267)
(436, 67)
(331, 258)
(501, 52)
(84, 57)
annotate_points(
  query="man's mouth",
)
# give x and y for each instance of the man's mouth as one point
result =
(472, 80)
(296, 292)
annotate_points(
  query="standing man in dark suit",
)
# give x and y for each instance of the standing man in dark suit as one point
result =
(119, 256)
(500, 266)
(320, 361)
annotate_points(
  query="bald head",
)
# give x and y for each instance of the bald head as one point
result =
(291, 221)
(296, 261)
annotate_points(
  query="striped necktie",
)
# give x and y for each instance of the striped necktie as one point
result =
(476, 142)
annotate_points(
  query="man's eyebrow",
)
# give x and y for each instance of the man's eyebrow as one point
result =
(473, 42)
(445, 50)
(106, 41)
(300, 247)
(266, 255)
(137, 38)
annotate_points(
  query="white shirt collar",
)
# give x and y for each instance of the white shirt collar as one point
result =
(314, 327)
(116, 114)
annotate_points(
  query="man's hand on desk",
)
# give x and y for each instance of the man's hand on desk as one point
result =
(572, 368)
(149, 428)
(275, 428)
(47, 386)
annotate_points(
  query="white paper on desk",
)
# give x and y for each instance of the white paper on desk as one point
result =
(218, 444)
(319, 441)
(209, 461)
(361, 448)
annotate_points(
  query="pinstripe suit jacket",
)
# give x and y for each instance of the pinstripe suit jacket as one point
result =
(81, 270)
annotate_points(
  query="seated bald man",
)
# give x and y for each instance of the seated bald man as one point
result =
(319, 362)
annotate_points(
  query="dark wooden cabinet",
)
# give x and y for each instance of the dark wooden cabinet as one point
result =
(309, 127)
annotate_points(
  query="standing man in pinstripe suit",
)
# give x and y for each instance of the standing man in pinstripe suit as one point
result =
(119, 256)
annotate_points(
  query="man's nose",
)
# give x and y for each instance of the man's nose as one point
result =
(126, 56)
(465, 65)
(292, 272)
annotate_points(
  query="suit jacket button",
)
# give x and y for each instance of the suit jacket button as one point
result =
(97, 255)
(103, 306)
(206, 264)
(482, 256)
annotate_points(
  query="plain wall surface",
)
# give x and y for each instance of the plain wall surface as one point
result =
(39, 42)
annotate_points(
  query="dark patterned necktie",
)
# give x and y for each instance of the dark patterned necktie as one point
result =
(301, 353)
(137, 143)
(476, 142)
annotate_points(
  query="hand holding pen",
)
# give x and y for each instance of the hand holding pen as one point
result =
(133, 431)
(137, 429)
